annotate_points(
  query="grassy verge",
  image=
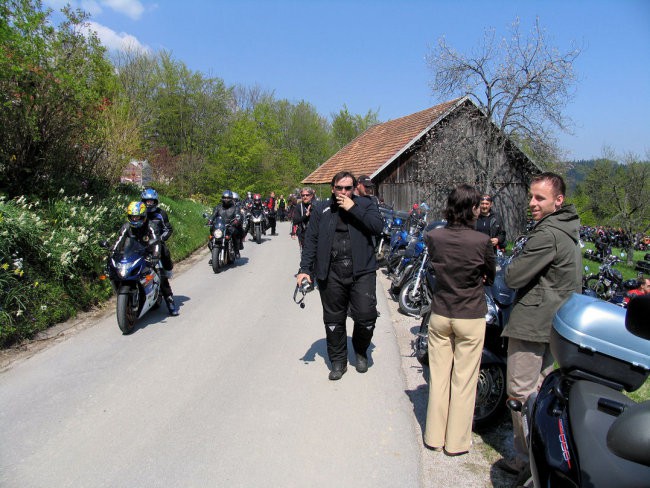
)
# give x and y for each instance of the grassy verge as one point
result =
(50, 257)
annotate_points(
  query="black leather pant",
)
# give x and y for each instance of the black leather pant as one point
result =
(339, 293)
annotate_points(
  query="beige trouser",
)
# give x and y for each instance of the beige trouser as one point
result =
(455, 347)
(528, 364)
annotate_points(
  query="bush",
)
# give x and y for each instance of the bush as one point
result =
(50, 258)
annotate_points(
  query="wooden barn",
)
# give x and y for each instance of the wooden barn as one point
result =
(421, 157)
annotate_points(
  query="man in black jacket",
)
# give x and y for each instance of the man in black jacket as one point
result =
(491, 224)
(338, 251)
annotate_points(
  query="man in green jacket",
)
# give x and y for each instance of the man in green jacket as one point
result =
(545, 274)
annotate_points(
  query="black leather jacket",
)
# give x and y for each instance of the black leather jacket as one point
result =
(230, 215)
(365, 222)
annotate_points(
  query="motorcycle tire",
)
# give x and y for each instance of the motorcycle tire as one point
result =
(597, 286)
(126, 313)
(421, 344)
(258, 235)
(411, 302)
(382, 252)
(216, 257)
(490, 395)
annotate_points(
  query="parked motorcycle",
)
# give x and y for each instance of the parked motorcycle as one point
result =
(580, 428)
(221, 244)
(607, 284)
(135, 280)
(408, 264)
(415, 293)
(491, 387)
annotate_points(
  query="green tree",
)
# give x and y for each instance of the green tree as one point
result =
(346, 127)
(55, 87)
(619, 195)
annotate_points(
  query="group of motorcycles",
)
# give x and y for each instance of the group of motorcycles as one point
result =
(402, 251)
(137, 280)
(580, 428)
(255, 221)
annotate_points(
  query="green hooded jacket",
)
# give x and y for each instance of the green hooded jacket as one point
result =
(545, 274)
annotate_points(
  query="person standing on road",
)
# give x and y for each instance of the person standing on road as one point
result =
(302, 214)
(338, 252)
(463, 261)
(545, 273)
(490, 223)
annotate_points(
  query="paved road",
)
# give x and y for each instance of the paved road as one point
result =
(233, 393)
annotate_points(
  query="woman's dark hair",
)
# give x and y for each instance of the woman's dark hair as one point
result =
(344, 174)
(460, 206)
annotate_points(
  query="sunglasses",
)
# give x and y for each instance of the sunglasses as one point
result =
(305, 195)
(341, 188)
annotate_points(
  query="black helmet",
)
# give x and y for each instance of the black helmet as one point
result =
(226, 198)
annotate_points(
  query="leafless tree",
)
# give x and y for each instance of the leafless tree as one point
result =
(520, 83)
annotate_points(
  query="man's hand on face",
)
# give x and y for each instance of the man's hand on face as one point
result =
(342, 191)
(344, 201)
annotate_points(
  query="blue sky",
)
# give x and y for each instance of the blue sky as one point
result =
(370, 55)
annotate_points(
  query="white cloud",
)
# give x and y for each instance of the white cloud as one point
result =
(130, 8)
(115, 41)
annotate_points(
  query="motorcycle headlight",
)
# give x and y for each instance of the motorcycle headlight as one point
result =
(218, 233)
(257, 218)
(122, 269)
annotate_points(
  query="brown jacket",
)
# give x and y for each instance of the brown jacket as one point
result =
(461, 258)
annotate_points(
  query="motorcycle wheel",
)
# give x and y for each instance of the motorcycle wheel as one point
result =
(126, 313)
(382, 252)
(490, 395)
(597, 286)
(258, 235)
(422, 341)
(216, 263)
(412, 301)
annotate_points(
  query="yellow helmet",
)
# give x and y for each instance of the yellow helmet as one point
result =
(136, 212)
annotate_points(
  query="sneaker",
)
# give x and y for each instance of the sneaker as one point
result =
(171, 306)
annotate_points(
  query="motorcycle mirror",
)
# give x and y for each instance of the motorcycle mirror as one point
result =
(103, 244)
(205, 215)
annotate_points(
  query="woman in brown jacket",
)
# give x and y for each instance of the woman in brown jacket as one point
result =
(463, 261)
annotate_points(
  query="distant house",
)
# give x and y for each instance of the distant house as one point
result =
(421, 157)
(138, 173)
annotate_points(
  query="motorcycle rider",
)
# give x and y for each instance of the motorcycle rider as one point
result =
(231, 215)
(142, 230)
(259, 206)
(158, 217)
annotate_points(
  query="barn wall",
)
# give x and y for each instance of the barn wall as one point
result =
(398, 185)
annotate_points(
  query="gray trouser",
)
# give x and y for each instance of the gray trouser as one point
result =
(528, 364)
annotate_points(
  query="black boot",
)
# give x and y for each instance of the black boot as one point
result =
(171, 306)
(338, 370)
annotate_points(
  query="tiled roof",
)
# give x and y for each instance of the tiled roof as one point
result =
(378, 145)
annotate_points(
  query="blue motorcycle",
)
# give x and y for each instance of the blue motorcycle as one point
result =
(136, 280)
